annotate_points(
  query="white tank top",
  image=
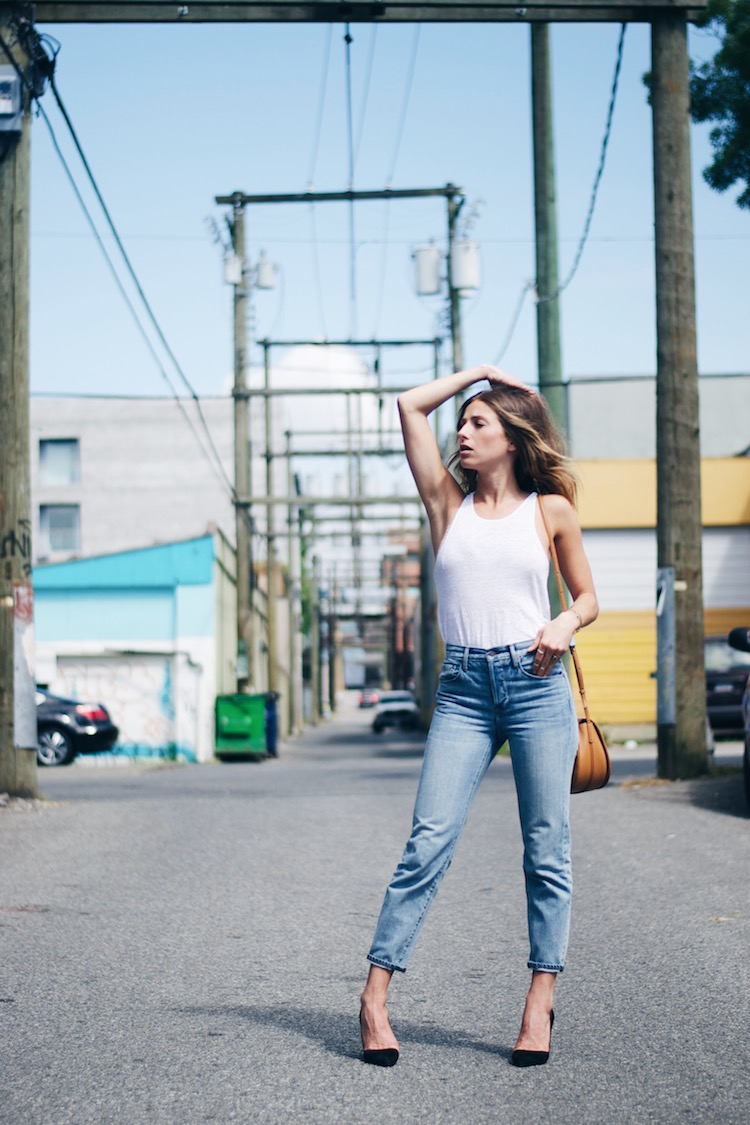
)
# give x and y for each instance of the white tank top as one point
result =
(491, 578)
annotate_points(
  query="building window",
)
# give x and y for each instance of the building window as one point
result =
(59, 461)
(59, 528)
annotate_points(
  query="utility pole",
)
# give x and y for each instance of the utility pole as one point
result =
(455, 203)
(243, 516)
(17, 681)
(271, 576)
(549, 353)
(681, 695)
(293, 584)
(315, 679)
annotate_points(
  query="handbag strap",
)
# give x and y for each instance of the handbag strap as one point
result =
(564, 604)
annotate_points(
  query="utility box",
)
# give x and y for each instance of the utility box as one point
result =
(11, 108)
(240, 728)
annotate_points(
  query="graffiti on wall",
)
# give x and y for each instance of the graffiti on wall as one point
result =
(153, 699)
(16, 544)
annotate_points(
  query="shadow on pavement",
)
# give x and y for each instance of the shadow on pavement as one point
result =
(722, 794)
(338, 1031)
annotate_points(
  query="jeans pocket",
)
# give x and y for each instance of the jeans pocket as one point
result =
(526, 665)
(449, 672)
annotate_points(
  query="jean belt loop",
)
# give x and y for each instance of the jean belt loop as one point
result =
(515, 654)
(465, 661)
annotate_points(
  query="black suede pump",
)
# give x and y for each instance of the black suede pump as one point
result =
(534, 1058)
(383, 1056)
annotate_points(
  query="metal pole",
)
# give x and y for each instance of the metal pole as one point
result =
(17, 682)
(271, 575)
(293, 559)
(243, 516)
(682, 750)
(455, 203)
(549, 355)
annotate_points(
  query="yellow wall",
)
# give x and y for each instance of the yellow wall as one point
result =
(618, 652)
(623, 493)
(618, 655)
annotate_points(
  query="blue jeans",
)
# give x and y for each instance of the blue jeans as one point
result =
(484, 698)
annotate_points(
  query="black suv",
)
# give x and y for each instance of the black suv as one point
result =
(66, 727)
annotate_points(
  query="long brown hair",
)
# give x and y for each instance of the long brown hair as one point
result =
(541, 463)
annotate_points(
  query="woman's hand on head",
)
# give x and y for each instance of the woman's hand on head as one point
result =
(499, 378)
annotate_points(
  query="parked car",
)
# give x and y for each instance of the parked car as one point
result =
(739, 640)
(396, 709)
(368, 697)
(66, 728)
(727, 672)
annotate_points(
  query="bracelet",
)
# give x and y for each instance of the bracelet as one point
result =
(580, 619)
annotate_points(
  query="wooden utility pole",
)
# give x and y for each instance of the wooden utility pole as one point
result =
(549, 352)
(17, 686)
(681, 717)
(455, 203)
(243, 516)
(293, 586)
(271, 574)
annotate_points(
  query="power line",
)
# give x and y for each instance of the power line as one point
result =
(321, 107)
(123, 292)
(216, 464)
(406, 97)
(597, 179)
(404, 105)
(311, 175)
(350, 149)
(528, 286)
(366, 90)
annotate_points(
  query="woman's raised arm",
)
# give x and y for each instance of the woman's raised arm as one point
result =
(439, 491)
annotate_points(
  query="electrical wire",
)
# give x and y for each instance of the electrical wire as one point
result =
(316, 270)
(366, 91)
(214, 457)
(321, 107)
(528, 286)
(350, 150)
(404, 106)
(121, 288)
(311, 176)
(597, 179)
(405, 99)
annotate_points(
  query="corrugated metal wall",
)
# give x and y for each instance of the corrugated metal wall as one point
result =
(618, 652)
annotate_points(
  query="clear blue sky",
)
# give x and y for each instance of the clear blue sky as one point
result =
(171, 116)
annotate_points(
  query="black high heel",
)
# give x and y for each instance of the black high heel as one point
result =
(534, 1058)
(383, 1056)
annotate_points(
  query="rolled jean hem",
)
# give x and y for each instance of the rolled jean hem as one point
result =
(385, 965)
(543, 967)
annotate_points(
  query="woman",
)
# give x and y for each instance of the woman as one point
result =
(501, 678)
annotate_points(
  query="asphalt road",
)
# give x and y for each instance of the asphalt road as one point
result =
(187, 944)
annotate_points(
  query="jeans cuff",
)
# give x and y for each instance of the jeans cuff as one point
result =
(544, 967)
(385, 965)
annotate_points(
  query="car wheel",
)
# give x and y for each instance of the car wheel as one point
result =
(54, 748)
(746, 769)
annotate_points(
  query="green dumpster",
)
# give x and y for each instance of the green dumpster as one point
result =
(240, 730)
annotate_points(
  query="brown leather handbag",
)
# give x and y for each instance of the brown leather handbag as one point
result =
(592, 765)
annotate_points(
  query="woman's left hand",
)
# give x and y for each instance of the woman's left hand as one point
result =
(551, 643)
